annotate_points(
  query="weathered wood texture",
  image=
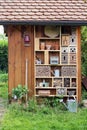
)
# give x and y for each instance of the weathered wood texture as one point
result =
(79, 64)
(18, 53)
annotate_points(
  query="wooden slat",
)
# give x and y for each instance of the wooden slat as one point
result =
(11, 58)
(18, 53)
(79, 63)
(17, 56)
(32, 64)
(29, 55)
(22, 62)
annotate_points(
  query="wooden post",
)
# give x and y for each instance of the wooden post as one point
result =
(26, 77)
(79, 64)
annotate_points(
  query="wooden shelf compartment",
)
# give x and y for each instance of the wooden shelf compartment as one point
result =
(57, 82)
(56, 71)
(61, 91)
(69, 82)
(43, 82)
(39, 57)
(47, 44)
(65, 83)
(46, 92)
(54, 58)
(71, 91)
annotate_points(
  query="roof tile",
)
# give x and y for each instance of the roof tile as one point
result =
(37, 10)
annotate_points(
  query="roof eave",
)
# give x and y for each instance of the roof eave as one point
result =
(45, 22)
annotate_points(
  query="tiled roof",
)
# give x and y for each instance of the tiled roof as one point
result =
(43, 10)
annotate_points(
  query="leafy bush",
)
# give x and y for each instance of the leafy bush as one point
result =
(3, 77)
(84, 50)
(3, 54)
(19, 91)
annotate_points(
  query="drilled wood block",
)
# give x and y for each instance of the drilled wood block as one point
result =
(73, 40)
(68, 71)
(64, 57)
(72, 58)
(64, 70)
(42, 71)
(72, 49)
(73, 71)
(64, 49)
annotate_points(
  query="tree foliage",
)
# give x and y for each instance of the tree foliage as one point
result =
(3, 53)
(84, 49)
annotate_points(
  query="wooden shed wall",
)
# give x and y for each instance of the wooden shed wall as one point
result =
(18, 53)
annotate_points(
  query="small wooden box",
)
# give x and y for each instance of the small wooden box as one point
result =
(73, 71)
(65, 40)
(72, 58)
(73, 40)
(44, 92)
(64, 71)
(72, 49)
(64, 59)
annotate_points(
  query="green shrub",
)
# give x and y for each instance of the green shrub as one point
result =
(3, 54)
(84, 49)
(3, 77)
(20, 91)
(4, 90)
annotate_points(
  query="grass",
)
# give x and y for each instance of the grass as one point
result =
(18, 119)
(4, 90)
(41, 117)
(3, 85)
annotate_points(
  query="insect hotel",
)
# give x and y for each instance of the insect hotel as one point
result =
(44, 45)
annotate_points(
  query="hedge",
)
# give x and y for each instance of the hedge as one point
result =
(4, 54)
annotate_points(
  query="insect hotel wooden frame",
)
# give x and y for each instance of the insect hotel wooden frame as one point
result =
(44, 46)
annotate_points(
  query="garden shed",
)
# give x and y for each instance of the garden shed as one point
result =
(44, 45)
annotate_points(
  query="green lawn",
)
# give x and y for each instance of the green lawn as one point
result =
(18, 119)
(42, 117)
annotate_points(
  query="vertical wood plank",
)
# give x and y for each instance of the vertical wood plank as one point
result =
(79, 64)
(11, 58)
(17, 56)
(18, 53)
(22, 61)
(32, 64)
